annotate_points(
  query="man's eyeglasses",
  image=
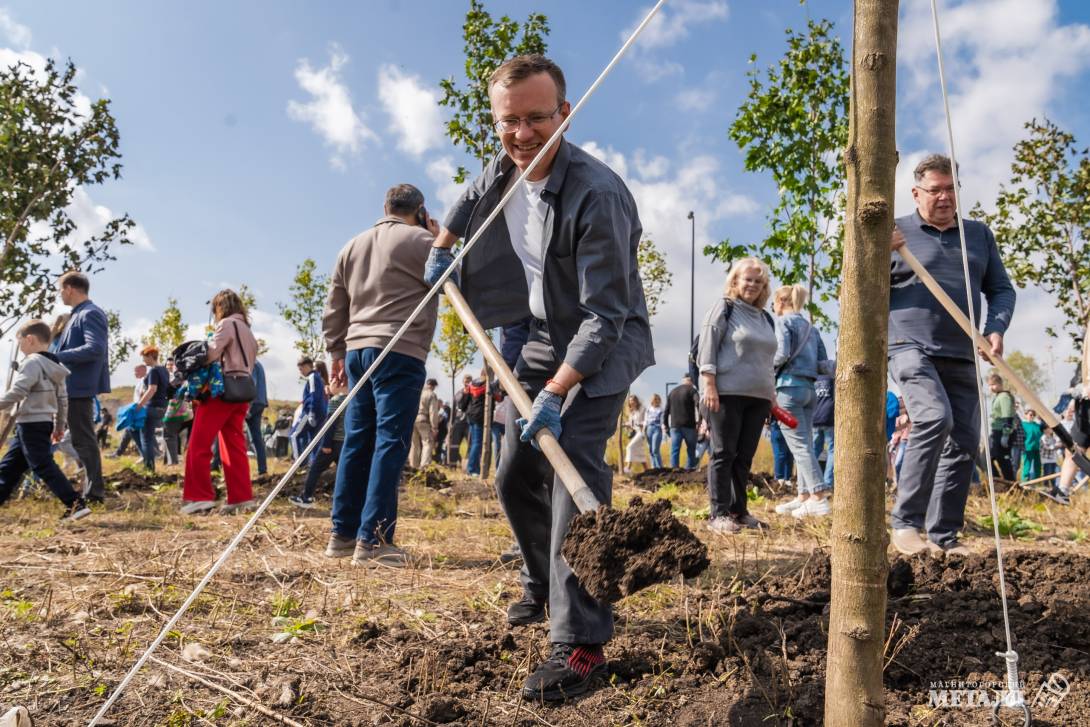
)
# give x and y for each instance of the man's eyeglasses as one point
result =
(511, 124)
(936, 191)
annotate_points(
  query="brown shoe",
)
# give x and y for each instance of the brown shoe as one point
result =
(908, 541)
(748, 521)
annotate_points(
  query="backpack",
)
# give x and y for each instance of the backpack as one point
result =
(694, 350)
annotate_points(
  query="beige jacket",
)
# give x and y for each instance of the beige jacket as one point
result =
(377, 282)
(224, 346)
(429, 408)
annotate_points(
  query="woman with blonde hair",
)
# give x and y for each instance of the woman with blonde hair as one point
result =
(652, 429)
(800, 359)
(636, 451)
(233, 345)
(734, 357)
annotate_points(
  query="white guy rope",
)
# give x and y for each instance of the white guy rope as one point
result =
(1014, 696)
(435, 290)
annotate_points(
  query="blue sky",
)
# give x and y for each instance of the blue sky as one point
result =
(256, 134)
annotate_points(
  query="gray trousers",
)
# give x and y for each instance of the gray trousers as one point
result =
(540, 509)
(941, 397)
(81, 423)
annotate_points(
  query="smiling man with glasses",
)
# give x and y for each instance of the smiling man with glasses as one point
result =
(564, 255)
(931, 359)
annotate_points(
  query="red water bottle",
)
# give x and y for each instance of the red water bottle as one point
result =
(784, 417)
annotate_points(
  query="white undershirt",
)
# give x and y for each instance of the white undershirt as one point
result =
(525, 214)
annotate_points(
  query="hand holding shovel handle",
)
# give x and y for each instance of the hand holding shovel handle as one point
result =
(1046, 413)
(565, 470)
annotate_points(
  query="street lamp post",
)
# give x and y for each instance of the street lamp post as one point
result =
(692, 276)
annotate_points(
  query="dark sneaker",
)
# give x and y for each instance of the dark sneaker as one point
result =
(527, 611)
(511, 555)
(304, 501)
(568, 672)
(76, 511)
(752, 523)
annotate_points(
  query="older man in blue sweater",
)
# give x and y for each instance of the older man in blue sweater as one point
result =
(931, 359)
(85, 351)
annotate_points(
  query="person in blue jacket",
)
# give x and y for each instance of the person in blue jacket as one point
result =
(315, 404)
(256, 416)
(84, 350)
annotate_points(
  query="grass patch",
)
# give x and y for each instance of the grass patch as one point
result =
(1012, 524)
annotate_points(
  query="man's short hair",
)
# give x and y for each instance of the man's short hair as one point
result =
(432, 383)
(305, 361)
(686, 377)
(37, 328)
(150, 351)
(933, 163)
(994, 378)
(520, 68)
(403, 199)
(76, 279)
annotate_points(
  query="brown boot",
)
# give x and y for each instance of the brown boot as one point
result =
(908, 541)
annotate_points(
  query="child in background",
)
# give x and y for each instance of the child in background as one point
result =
(41, 395)
(1079, 423)
(328, 453)
(1031, 453)
(1051, 453)
(314, 404)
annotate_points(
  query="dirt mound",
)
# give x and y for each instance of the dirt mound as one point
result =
(617, 552)
(127, 479)
(430, 476)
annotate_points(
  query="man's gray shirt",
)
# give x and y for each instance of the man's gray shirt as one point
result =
(594, 304)
(916, 319)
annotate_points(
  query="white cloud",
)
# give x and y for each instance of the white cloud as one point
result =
(16, 33)
(671, 25)
(1006, 61)
(441, 171)
(330, 112)
(695, 99)
(673, 21)
(413, 109)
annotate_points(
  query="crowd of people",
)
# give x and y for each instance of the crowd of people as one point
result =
(558, 275)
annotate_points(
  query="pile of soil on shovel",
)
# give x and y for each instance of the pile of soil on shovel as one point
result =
(430, 476)
(127, 479)
(615, 553)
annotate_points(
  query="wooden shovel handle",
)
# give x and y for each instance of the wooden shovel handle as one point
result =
(960, 318)
(565, 470)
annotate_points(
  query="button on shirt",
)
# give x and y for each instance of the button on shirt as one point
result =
(916, 319)
(525, 215)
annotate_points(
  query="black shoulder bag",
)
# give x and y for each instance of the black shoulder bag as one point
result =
(239, 388)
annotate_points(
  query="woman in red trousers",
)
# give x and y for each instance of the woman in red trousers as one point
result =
(234, 346)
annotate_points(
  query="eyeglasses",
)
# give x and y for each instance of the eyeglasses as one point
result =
(935, 192)
(511, 124)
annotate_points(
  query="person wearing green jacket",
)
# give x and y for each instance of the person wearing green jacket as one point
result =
(1002, 426)
(1031, 455)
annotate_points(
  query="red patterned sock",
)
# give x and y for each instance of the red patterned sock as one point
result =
(584, 659)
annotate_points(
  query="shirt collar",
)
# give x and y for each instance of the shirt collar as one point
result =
(558, 172)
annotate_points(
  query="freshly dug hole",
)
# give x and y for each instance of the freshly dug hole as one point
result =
(615, 553)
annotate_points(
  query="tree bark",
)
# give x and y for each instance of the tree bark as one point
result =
(854, 695)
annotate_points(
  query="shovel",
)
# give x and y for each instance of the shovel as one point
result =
(1046, 413)
(612, 553)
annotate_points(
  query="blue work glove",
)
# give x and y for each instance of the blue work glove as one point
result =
(439, 259)
(544, 413)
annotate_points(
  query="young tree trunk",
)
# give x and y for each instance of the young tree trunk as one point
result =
(447, 459)
(486, 445)
(853, 686)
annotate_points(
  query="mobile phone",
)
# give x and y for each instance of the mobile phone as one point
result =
(422, 217)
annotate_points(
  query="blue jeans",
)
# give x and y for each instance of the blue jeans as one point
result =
(148, 446)
(688, 435)
(473, 455)
(800, 402)
(253, 423)
(654, 443)
(30, 449)
(378, 426)
(823, 439)
(782, 461)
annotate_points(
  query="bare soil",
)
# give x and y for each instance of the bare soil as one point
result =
(323, 643)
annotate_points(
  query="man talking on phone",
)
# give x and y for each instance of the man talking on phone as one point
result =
(376, 283)
(564, 254)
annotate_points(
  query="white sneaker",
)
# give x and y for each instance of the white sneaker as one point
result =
(193, 507)
(814, 507)
(790, 506)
